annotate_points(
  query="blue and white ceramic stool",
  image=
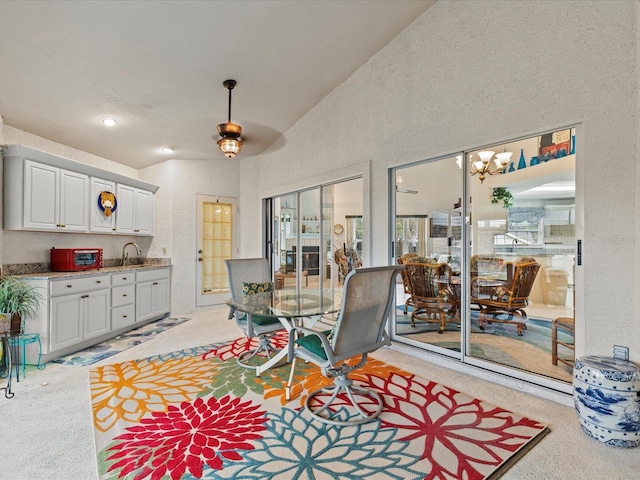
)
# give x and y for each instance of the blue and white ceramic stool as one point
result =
(606, 393)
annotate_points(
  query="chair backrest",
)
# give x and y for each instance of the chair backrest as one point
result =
(523, 277)
(423, 278)
(246, 270)
(367, 299)
(481, 265)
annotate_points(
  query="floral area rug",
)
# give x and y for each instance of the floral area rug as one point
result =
(110, 347)
(197, 414)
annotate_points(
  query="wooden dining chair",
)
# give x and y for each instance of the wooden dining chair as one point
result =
(510, 298)
(433, 294)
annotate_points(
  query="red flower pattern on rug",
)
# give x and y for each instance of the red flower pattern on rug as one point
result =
(187, 437)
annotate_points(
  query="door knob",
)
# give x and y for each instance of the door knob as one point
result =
(199, 259)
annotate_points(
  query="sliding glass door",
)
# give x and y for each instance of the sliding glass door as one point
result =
(317, 235)
(507, 246)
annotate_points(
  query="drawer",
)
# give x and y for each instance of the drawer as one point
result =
(118, 279)
(79, 284)
(123, 316)
(155, 274)
(123, 295)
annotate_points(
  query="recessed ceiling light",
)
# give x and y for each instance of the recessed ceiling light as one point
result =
(109, 121)
(167, 150)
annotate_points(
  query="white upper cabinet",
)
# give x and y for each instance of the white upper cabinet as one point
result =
(50, 193)
(54, 199)
(135, 211)
(74, 208)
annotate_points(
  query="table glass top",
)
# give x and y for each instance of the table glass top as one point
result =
(288, 302)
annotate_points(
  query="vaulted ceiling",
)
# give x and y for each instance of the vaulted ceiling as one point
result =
(158, 66)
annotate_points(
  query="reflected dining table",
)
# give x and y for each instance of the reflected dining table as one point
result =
(291, 307)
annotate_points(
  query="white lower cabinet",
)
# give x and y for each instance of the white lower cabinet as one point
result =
(80, 310)
(123, 299)
(153, 298)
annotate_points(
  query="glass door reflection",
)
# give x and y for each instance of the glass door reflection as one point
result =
(428, 238)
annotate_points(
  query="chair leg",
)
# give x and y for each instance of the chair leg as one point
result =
(264, 345)
(343, 384)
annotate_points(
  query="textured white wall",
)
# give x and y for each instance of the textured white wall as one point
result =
(176, 215)
(20, 137)
(469, 73)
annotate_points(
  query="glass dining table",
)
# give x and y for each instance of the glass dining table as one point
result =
(291, 307)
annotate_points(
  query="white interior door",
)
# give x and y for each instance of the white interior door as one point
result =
(216, 242)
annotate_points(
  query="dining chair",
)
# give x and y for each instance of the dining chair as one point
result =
(245, 271)
(405, 280)
(434, 294)
(508, 298)
(367, 299)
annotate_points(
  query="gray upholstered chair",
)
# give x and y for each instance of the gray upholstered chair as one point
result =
(360, 329)
(247, 270)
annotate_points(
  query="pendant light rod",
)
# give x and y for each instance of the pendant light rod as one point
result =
(229, 84)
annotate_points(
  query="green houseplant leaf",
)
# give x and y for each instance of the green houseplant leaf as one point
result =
(502, 194)
(18, 298)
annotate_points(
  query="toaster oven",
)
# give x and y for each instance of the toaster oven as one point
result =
(75, 259)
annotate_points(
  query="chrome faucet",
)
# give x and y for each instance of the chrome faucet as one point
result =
(126, 255)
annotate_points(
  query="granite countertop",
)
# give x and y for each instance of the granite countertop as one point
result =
(87, 273)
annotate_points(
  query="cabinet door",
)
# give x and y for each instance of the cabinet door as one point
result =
(66, 321)
(125, 214)
(41, 183)
(97, 319)
(144, 301)
(99, 222)
(73, 208)
(143, 218)
(162, 297)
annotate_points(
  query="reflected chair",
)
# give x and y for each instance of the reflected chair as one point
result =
(252, 270)
(407, 257)
(343, 264)
(508, 298)
(566, 325)
(360, 329)
(434, 293)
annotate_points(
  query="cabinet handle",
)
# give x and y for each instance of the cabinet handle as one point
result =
(69, 286)
(136, 230)
(124, 294)
(124, 316)
(98, 281)
(124, 278)
(62, 226)
(155, 283)
(84, 296)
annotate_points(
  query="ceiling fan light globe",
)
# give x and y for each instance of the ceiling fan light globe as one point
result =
(230, 146)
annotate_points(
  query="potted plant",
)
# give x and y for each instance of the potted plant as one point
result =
(502, 194)
(18, 301)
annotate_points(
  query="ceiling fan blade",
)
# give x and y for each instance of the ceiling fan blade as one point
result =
(402, 190)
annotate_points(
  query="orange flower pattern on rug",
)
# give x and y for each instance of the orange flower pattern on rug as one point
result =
(128, 391)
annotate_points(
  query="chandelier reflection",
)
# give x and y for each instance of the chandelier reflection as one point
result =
(483, 167)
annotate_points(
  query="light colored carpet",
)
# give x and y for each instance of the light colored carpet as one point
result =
(47, 427)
